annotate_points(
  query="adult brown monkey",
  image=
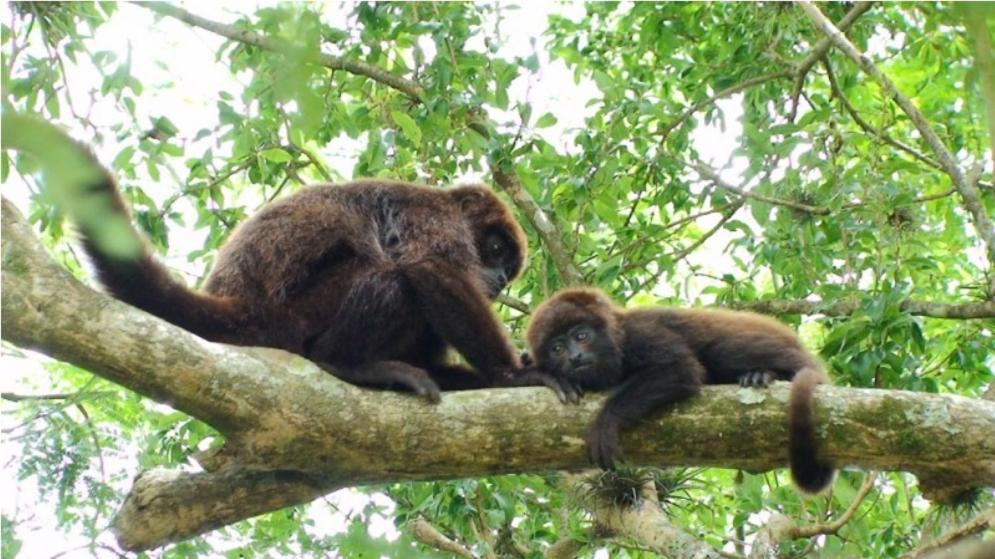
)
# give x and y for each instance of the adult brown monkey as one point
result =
(659, 355)
(374, 280)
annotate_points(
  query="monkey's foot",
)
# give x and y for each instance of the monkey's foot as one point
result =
(757, 379)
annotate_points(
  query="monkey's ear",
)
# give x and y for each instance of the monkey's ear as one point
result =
(468, 197)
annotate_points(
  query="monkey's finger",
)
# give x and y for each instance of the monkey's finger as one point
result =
(766, 378)
(426, 388)
(574, 392)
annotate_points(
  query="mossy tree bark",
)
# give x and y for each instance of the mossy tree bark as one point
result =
(293, 432)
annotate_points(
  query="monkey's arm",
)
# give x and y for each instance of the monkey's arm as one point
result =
(661, 370)
(453, 303)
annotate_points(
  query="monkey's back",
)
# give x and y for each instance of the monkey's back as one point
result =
(319, 226)
(729, 343)
(323, 262)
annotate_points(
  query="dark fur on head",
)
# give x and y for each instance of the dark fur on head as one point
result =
(554, 323)
(502, 249)
(658, 355)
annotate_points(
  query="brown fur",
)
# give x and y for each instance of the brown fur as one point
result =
(658, 355)
(373, 280)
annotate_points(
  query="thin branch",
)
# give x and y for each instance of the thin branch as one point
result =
(818, 51)
(731, 90)
(824, 44)
(12, 397)
(427, 534)
(968, 191)
(866, 126)
(547, 231)
(683, 253)
(962, 311)
(406, 86)
(828, 528)
(710, 175)
(517, 304)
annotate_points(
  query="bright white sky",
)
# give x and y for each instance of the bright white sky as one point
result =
(176, 64)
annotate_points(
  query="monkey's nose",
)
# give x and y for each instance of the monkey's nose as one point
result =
(577, 359)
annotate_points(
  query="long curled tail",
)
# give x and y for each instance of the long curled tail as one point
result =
(137, 278)
(809, 473)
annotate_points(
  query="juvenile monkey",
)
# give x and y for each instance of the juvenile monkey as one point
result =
(653, 356)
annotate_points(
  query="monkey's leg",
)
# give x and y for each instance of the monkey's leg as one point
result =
(457, 377)
(384, 374)
(456, 308)
(647, 391)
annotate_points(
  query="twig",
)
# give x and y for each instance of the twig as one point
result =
(426, 534)
(517, 304)
(746, 84)
(408, 87)
(798, 72)
(879, 134)
(984, 520)
(683, 253)
(710, 175)
(830, 528)
(12, 397)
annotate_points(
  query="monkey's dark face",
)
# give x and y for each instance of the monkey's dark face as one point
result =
(584, 353)
(500, 241)
(499, 260)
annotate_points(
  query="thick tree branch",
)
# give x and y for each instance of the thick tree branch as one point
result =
(294, 432)
(643, 522)
(968, 191)
(647, 524)
(406, 86)
(978, 309)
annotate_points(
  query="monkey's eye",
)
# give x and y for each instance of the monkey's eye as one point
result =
(581, 336)
(495, 247)
(557, 349)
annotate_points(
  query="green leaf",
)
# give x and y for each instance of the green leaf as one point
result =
(276, 155)
(408, 126)
(546, 120)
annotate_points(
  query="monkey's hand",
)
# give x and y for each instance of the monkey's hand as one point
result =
(602, 441)
(526, 359)
(566, 391)
(757, 379)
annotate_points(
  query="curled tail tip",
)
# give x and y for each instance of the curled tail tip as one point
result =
(812, 478)
(809, 474)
